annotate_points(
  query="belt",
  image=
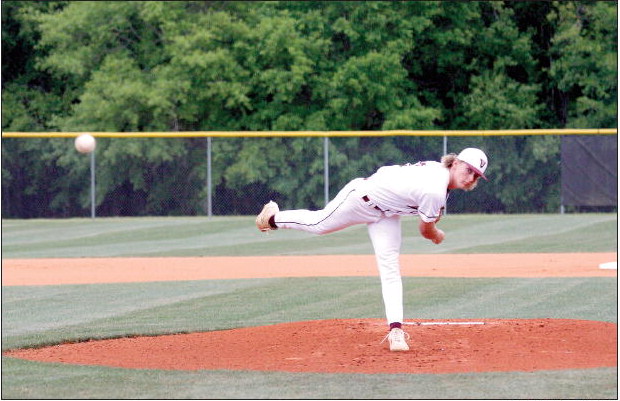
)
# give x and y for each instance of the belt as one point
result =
(366, 199)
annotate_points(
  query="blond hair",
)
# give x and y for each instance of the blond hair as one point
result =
(448, 160)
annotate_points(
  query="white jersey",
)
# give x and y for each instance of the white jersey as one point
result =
(418, 189)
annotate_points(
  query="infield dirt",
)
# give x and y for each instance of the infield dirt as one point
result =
(125, 270)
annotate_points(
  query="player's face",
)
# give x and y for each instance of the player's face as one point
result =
(462, 176)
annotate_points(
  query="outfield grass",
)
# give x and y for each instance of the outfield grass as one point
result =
(37, 315)
(88, 382)
(228, 236)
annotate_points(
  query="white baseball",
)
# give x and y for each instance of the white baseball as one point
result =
(85, 143)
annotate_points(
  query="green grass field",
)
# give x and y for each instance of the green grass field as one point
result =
(38, 315)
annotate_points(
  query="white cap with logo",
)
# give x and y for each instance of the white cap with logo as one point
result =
(476, 159)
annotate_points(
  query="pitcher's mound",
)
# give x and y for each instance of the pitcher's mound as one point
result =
(353, 346)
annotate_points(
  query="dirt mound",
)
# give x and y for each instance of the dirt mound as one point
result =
(354, 346)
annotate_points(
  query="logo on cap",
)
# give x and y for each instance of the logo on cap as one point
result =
(482, 163)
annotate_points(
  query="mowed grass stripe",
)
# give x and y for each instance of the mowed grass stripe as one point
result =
(117, 231)
(594, 237)
(237, 236)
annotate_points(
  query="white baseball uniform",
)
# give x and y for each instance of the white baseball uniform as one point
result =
(379, 201)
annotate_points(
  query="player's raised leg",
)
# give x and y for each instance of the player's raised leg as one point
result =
(345, 210)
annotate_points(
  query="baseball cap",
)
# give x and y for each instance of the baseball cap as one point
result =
(476, 159)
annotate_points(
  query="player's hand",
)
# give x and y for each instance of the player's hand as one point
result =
(431, 232)
(439, 236)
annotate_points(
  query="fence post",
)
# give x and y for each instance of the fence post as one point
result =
(209, 191)
(92, 184)
(445, 152)
(326, 167)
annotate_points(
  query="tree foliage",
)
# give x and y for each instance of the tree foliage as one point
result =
(183, 66)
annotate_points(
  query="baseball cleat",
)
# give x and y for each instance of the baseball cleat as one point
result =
(396, 338)
(262, 220)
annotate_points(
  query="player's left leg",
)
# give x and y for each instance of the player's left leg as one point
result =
(386, 238)
(385, 235)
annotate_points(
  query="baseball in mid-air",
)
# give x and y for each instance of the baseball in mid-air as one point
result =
(85, 143)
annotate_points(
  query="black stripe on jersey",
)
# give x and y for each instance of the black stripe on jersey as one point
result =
(326, 217)
(428, 217)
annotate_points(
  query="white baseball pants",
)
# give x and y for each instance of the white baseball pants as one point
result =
(347, 209)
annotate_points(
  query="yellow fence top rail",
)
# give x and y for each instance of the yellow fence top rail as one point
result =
(214, 134)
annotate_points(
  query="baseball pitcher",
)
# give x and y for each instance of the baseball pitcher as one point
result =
(379, 201)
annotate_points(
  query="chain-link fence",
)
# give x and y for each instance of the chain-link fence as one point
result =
(216, 173)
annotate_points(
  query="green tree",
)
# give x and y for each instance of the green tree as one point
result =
(584, 62)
